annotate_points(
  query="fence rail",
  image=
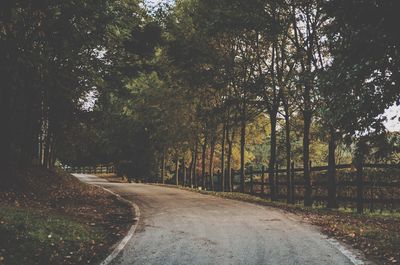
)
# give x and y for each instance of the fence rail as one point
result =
(99, 169)
(379, 188)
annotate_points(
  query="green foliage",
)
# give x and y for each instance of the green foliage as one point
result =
(164, 82)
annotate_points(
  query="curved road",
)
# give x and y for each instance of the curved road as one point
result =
(183, 227)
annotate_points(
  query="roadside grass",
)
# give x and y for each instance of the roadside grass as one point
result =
(53, 218)
(33, 236)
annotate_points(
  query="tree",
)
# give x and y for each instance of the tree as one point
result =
(307, 20)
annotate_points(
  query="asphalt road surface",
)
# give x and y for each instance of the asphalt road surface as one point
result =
(183, 227)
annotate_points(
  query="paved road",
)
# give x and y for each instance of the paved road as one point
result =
(182, 227)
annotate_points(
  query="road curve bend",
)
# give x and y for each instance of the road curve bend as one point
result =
(182, 227)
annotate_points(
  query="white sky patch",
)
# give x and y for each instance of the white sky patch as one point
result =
(90, 99)
(154, 3)
(393, 115)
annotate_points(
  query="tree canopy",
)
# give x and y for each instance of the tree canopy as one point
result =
(198, 86)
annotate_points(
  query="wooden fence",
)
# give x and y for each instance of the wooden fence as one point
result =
(99, 169)
(379, 188)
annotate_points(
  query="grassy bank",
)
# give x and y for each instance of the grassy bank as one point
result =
(52, 218)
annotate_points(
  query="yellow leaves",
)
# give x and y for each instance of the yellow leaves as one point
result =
(352, 234)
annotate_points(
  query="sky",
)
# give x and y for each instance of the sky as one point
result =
(152, 3)
(393, 125)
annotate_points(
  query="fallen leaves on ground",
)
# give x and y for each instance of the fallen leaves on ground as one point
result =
(49, 194)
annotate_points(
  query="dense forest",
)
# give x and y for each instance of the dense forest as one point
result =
(201, 88)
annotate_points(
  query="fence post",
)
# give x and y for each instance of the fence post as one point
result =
(251, 180)
(262, 179)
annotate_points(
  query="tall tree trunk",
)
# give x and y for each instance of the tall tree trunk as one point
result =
(41, 150)
(306, 159)
(242, 152)
(230, 139)
(288, 159)
(272, 158)
(211, 165)
(5, 140)
(177, 171)
(191, 170)
(50, 158)
(359, 161)
(195, 179)
(306, 69)
(163, 166)
(360, 188)
(50, 151)
(53, 151)
(184, 172)
(203, 161)
(222, 177)
(332, 201)
(46, 155)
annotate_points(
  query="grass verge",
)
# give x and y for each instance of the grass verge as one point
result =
(53, 218)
